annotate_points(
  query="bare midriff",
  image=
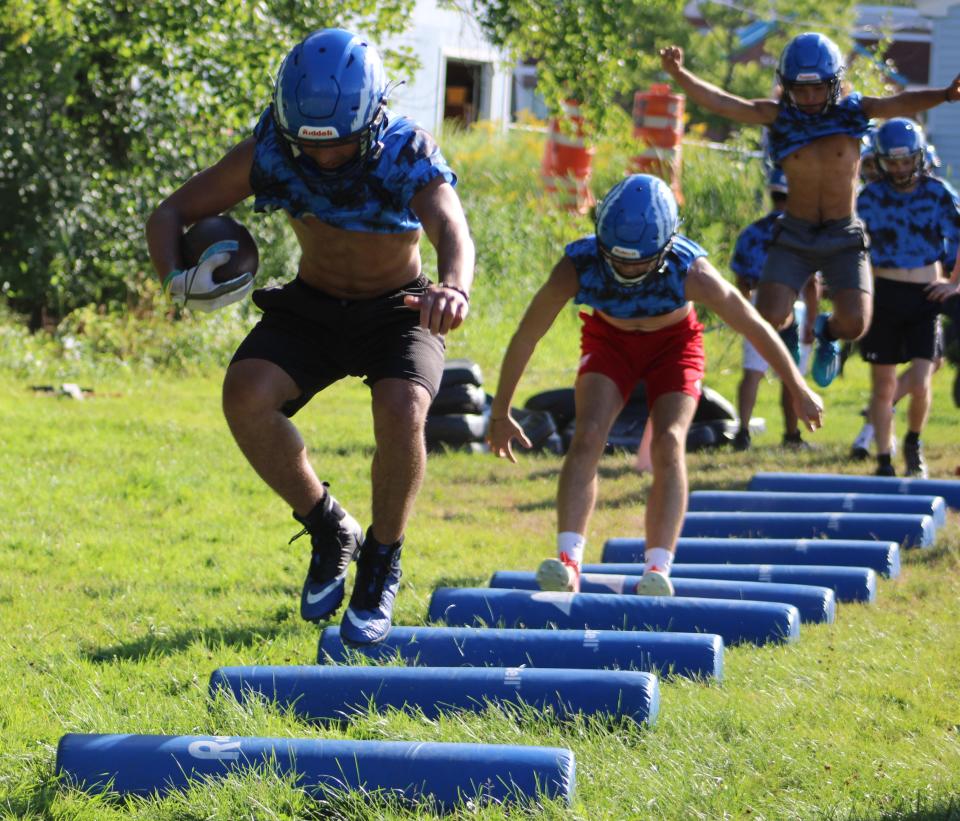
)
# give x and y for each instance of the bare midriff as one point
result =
(649, 323)
(822, 178)
(915, 276)
(355, 264)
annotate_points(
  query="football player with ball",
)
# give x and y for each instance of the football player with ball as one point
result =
(359, 185)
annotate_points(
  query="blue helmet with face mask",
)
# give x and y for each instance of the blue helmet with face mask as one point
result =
(332, 89)
(636, 222)
(809, 59)
(900, 138)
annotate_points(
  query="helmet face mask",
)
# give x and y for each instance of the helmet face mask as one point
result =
(331, 91)
(810, 60)
(900, 150)
(635, 226)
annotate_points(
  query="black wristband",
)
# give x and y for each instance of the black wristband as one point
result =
(458, 289)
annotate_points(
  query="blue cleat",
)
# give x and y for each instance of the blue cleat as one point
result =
(369, 615)
(336, 537)
(826, 358)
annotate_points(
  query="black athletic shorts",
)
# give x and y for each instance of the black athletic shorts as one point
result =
(318, 339)
(905, 326)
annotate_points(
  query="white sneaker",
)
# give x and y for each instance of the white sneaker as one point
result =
(654, 583)
(861, 445)
(562, 574)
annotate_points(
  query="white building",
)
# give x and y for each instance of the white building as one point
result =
(943, 122)
(462, 75)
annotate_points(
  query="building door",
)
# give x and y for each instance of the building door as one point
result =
(463, 99)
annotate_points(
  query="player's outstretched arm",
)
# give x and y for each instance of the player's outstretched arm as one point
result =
(557, 291)
(908, 103)
(706, 286)
(712, 98)
(444, 306)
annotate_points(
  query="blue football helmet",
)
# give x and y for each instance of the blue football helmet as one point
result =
(332, 89)
(776, 181)
(898, 138)
(636, 222)
(869, 170)
(808, 59)
(931, 157)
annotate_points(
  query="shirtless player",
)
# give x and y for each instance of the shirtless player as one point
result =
(815, 136)
(358, 185)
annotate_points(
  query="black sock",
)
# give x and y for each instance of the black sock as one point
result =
(883, 459)
(369, 541)
(792, 437)
(827, 334)
(912, 438)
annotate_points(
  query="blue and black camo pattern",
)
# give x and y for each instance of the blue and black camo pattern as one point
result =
(654, 296)
(750, 250)
(793, 129)
(377, 201)
(910, 229)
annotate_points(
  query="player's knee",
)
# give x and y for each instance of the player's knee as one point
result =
(668, 445)
(589, 436)
(400, 406)
(248, 393)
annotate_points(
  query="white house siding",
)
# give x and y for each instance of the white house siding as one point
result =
(436, 37)
(943, 122)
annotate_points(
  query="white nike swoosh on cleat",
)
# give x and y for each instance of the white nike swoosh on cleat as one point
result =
(313, 598)
(363, 624)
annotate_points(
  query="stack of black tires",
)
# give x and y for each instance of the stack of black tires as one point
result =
(460, 414)
(714, 424)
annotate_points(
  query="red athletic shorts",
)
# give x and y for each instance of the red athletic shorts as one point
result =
(670, 360)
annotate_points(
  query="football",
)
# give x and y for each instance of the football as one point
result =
(204, 233)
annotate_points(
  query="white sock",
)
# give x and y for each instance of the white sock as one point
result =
(572, 544)
(658, 557)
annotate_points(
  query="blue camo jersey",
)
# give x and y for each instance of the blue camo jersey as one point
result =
(377, 201)
(793, 129)
(655, 296)
(910, 229)
(750, 251)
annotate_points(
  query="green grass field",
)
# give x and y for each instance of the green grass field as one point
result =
(140, 552)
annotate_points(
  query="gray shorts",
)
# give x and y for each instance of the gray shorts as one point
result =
(836, 248)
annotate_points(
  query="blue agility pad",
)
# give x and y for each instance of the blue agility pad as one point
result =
(911, 531)
(326, 692)
(949, 489)
(734, 621)
(849, 584)
(884, 557)
(411, 770)
(768, 501)
(816, 604)
(694, 655)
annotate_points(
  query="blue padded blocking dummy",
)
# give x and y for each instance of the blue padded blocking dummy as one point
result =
(949, 489)
(328, 692)
(816, 604)
(849, 584)
(913, 530)
(693, 655)
(884, 557)
(769, 501)
(734, 621)
(444, 772)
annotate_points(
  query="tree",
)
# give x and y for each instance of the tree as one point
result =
(108, 105)
(599, 51)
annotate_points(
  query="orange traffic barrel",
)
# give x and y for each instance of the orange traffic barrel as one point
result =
(658, 124)
(566, 166)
